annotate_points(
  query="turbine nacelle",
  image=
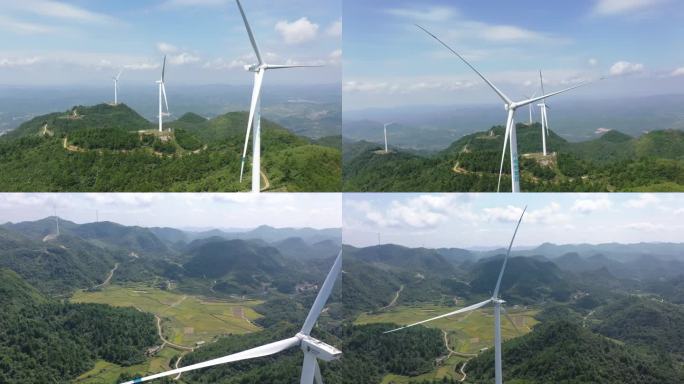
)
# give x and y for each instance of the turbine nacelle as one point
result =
(318, 348)
(253, 67)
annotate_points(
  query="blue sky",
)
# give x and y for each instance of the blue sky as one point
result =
(180, 210)
(82, 41)
(389, 62)
(477, 220)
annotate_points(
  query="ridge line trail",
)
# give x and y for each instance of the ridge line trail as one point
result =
(109, 278)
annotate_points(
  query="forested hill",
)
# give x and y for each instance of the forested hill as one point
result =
(612, 162)
(113, 148)
(44, 341)
(564, 352)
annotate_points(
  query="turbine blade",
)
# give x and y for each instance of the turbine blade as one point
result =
(508, 252)
(541, 81)
(292, 66)
(543, 97)
(498, 92)
(510, 320)
(163, 69)
(317, 373)
(462, 310)
(308, 369)
(256, 93)
(323, 295)
(119, 75)
(250, 33)
(264, 350)
(165, 100)
(509, 120)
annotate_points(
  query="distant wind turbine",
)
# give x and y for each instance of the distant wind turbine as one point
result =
(385, 128)
(497, 301)
(530, 107)
(313, 349)
(544, 115)
(510, 106)
(56, 220)
(162, 92)
(255, 107)
(116, 87)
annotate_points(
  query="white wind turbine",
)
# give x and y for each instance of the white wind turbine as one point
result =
(530, 106)
(255, 107)
(497, 301)
(543, 107)
(385, 129)
(510, 106)
(162, 92)
(313, 349)
(116, 87)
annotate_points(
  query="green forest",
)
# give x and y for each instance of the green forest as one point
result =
(108, 148)
(613, 162)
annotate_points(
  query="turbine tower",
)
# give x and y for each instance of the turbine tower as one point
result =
(385, 128)
(544, 115)
(162, 92)
(313, 349)
(56, 221)
(510, 106)
(530, 107)
(254, 120)
(116, 87)
(497, 301)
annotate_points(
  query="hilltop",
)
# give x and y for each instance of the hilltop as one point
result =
(113, 148)
(612, 162)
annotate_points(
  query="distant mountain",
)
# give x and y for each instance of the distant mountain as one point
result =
(297, 249)
(397, 258)
(563, 352)
(57, 266)
(526, 279)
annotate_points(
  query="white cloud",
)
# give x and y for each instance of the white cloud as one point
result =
(22, 27)
(335, 29)
(433, 14)
(509, 213)
(622, 68)
(19, 62)
(423, 211)
(642, 201)
(58, 10)
(138, 200)
(645, 226)
(587, 206)
(617, 7)
(592, 62)
(298, 31)
(166, 48)
(549, 214)
(678, 72)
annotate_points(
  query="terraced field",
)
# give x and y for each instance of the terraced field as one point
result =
(466, 334)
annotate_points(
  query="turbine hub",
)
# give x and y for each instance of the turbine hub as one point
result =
(318, 348)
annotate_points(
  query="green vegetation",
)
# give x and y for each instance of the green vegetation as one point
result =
(112, 148)
(563, 352)
(613, 162)
(46, 341)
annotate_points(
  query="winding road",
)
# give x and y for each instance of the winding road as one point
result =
(396, 297)
(267, 183)
(109, 278)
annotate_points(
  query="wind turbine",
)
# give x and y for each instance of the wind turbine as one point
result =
(116, 87)
(56, 221)
(530, 107)
(544, 115)
(162, 92)
(497, 301)
(255, 107)
(385, 128)
(510, 106)
(313, 349)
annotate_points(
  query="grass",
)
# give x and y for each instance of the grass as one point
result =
(467, 334)
(186, 319)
